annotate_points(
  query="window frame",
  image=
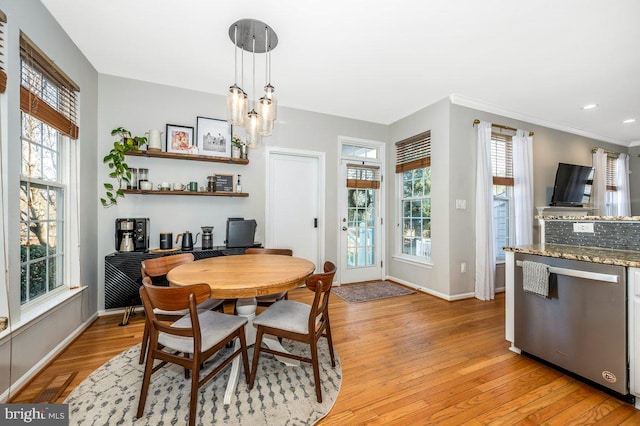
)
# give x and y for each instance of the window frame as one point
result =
(400, 254)
(502, 176)
(60, 184)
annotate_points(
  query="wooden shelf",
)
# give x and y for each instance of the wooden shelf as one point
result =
(191, 193)
(190, 157)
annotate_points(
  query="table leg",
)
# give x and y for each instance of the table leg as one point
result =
(247, 308)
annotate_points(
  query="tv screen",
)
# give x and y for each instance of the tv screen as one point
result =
(240, 232)
(572, 186)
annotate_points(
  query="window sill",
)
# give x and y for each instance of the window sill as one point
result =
(412, 261)
(37, 312)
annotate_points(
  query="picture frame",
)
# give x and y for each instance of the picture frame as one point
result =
(180, 139)
(213, 137)
(224, 183)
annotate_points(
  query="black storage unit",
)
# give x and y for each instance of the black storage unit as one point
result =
(122, 279)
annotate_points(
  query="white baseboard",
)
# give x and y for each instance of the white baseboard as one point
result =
(33, 371)
(449, 298)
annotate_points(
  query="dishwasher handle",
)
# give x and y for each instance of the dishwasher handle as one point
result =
(596, 276)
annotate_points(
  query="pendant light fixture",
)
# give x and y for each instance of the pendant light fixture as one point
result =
(256, 37)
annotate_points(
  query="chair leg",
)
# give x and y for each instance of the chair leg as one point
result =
(145, 342)
(148, 370)
(244, 354)
(195, 378)
(330, 343)
(316, 368)
(256, 355)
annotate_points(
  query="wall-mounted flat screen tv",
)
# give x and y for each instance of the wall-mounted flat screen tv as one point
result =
(572, 186)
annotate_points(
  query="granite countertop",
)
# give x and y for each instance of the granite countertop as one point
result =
(588, 254)
(591, 218)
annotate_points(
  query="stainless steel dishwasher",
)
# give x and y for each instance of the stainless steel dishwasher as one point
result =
(582, 325)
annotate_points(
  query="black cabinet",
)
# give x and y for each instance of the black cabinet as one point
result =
(122, 278)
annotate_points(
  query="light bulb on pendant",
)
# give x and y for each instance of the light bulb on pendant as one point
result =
(265, 126)
(236, 105)
(252, 128)
(270, 92)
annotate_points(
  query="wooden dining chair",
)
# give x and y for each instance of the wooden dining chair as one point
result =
(189, 341)
(270, 299)
(299, 321)
(156, 270)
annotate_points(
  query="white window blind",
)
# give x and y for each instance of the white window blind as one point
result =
(3, 73)
(502, 159)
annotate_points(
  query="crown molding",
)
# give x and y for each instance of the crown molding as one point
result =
(494, 109)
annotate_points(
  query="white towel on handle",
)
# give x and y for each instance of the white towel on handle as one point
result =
(535, 278)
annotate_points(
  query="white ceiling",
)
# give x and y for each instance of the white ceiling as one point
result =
(381, 60)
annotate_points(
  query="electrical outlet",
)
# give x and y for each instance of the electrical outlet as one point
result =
(583, 227)
(461, 204)
(463, 267)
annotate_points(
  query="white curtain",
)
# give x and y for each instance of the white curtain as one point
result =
(485, 256)
(622, 184)
(599, 187)
(523, 187)
(73, 202)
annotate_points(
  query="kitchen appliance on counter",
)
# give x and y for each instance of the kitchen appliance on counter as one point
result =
(207, 237)
(134, 229)
(581, 326)
(187, 240)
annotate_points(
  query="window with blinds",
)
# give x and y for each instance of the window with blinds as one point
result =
(502, 159)
(3, 73)
(414, 152)
(363, 176)
(46, 92)
(612, 173)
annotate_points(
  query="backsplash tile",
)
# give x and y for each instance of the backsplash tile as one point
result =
(607, 234)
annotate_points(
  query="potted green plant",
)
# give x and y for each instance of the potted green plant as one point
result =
(236, 147)
(119, 170)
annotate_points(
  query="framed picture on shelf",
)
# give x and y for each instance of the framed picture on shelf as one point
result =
(224, 183)
(180, 139)
(214, 137)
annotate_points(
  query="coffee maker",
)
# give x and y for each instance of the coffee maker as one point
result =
(132, 234)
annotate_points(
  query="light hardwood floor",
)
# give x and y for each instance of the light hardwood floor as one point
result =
(407, 360)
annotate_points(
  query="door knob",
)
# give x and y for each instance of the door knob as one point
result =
(344, 228)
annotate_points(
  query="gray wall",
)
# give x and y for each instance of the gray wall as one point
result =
(38, 338)
(140, 106)
(634, 179)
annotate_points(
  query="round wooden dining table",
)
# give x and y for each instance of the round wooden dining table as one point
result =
(243, 278)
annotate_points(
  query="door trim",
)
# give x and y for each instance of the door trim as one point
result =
(320, 156)
(382, 201)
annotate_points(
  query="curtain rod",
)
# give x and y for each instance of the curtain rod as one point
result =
(606, 151)
(500, 126)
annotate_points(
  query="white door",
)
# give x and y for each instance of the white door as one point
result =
(360, 226)
(295, 188)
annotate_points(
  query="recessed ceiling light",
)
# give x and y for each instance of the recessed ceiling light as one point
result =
(590, 106)
(629, 120)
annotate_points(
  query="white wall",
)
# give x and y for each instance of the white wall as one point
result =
(36, 340)
(140, 106)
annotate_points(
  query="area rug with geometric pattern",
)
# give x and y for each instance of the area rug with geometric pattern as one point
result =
(281, 395)
(366, 292)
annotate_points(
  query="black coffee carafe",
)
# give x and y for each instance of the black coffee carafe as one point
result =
(207, 237)
(187, 240)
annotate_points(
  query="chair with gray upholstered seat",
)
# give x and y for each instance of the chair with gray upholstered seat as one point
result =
(156, 270)
(290, 319)
(189, 341)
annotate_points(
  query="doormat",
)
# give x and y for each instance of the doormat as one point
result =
(357, 293)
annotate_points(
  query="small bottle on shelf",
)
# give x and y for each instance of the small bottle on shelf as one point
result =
(238, 185)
